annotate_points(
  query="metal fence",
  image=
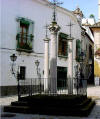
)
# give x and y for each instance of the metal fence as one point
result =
(80, 86)
(33, 86)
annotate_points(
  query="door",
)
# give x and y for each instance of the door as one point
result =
(61, 77)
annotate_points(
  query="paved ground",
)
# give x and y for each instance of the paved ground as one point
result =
(93, 92)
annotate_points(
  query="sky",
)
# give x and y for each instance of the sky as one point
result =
(87, 6)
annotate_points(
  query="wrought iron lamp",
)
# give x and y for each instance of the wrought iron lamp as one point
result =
(13, 58)
(37, 65)
(76, 77)
(38, 73)
(82, 56)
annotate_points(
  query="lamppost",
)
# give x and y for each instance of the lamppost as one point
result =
(82, 57)
(38, 72)
(82, 82)
(37, 66)
(76, 76)
(13, 58)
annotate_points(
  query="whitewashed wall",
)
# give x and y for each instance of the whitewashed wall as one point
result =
(40, 13)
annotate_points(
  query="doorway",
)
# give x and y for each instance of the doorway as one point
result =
(61, 77)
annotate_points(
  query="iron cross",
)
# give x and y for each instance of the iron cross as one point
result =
(70, 25)
(55, 3)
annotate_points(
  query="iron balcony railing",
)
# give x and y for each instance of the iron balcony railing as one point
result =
(24, 42)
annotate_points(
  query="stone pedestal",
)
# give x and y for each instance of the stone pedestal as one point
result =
(54, 28)
(70, 66)
(46, 64)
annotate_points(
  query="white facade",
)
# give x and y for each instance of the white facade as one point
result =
(41, 14)
(90, 21)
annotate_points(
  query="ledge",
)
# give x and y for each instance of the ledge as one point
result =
(24, 50)
(61, 56)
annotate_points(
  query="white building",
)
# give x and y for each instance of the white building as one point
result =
(90, 21)
(22, 33)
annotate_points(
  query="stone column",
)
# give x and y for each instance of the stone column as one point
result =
(70, 66)
(54, 28)
(46, 64)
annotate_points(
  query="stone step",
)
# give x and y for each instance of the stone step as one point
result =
(19, 103)
(57, 104)
(53, 100)
(87, 109)
(52, 106)
(17, 109)
(84, 103)
(51, 110)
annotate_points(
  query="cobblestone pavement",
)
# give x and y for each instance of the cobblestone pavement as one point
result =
(93, 92)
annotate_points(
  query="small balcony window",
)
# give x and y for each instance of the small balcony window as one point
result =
(62, 45)
(25, 36)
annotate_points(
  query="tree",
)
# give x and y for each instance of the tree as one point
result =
(91, 16)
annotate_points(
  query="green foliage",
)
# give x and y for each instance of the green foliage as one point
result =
(91, 16)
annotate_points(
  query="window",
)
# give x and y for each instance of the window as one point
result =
(63, 45)
(61, 77)
(22, 72)
(78, 50)
(25, 35)
(90, 52)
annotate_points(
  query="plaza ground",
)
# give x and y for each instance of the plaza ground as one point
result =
(92, 91)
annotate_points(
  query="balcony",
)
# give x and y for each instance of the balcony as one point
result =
(24, 42)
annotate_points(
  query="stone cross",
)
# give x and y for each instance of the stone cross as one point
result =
(46, 62)
(55, 3)
(70, 26)
(54, 28)
(70, 62)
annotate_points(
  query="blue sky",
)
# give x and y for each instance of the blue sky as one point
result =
(87, 6)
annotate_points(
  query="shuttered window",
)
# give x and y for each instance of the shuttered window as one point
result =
(63, 45)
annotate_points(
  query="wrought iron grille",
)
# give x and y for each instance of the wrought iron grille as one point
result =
(33, 86)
